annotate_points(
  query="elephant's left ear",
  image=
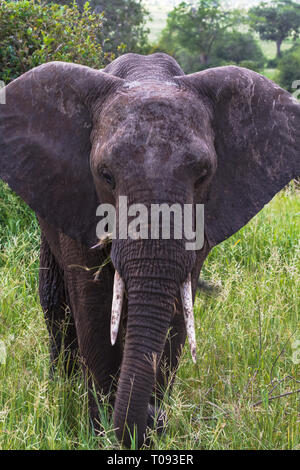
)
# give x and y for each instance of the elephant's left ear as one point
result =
(257, 141)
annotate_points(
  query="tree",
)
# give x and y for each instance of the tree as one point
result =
(197, 27)
(124, 23)
(33, 33)
(238, 48)
(276, 21)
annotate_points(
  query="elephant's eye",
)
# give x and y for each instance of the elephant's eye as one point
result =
(108, 178)
(201, 178)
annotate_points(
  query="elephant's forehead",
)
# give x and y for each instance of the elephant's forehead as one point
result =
(157, 103)
(150, 133)
(167, 110)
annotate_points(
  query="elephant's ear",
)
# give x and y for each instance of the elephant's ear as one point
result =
(45, 127)
(257, 141)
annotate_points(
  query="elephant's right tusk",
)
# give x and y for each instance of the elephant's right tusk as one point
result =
(188, 312)
(116, 310)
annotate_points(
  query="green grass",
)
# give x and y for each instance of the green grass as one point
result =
(244, 338)
(272, 74)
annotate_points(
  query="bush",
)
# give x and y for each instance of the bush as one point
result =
(33, 33)
(250, 64)
(124, 24)
(239, 48)
(289, 68)
(272, 63)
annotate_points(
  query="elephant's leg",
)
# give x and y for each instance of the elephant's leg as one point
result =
(58, 316)
(166, 371)
(170, 359)
(91, 298)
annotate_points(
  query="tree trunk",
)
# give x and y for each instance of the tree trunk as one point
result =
(203, 58)
(278, 46)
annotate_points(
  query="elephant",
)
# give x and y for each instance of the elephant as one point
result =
(72, 138)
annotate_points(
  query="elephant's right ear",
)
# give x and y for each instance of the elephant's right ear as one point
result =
(45, 127)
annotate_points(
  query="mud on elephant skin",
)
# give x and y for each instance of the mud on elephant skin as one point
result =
(72, 137)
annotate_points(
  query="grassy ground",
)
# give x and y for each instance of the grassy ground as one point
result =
(245, 336)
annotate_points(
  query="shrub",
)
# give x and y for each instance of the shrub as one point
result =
(289, 68)
(250, 64)
(272, 63)
(33, 33)
(124, 24)
(239, 48)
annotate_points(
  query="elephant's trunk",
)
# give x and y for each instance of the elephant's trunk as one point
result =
(146, 334)
(153, 273)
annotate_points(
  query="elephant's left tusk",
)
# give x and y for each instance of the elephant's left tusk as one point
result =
(116, 310)
(188, 312)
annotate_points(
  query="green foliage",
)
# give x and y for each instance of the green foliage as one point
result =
(251, 65)
(276, 21)
(196, 28)
(238, 48)
(223, 45)
(273, 63)
(15, 215)
(289, 68)
(33, 33)
(124, 24)
(202, 35)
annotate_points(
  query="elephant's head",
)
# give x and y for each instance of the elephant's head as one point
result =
(73, 137)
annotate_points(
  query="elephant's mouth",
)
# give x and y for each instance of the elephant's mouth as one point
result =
(187, 306)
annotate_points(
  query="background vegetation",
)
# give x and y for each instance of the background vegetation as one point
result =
(32, 33)
(208, 33)
(124, 27)
(198, 33)
(243, 391)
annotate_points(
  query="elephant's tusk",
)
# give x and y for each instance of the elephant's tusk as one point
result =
(116, 309)
(188, 312)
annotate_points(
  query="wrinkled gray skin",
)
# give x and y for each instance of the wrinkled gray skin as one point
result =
(226, 137)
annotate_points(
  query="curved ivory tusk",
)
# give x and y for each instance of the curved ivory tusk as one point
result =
(188, 312)
(116, 308)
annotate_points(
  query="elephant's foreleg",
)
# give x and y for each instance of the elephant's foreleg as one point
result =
(169, 362)
(91, 300)
(58, 316)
